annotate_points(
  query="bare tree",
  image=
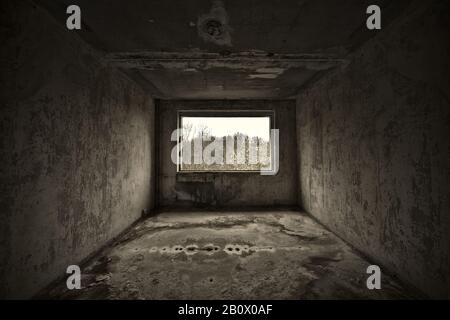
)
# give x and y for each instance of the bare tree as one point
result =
(188, 129)
(202, 130)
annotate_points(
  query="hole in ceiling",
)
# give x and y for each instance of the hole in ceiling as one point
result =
(214, 28)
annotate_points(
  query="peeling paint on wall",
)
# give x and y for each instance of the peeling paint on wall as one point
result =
(374, 151)
(76, 151)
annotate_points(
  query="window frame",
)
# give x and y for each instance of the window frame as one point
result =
(222, 113)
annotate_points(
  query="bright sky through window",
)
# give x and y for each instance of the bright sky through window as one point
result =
(225, 143)
(223, 126)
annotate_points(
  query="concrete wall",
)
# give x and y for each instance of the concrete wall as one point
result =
(77, 139)
(374, 149)
(228, 189)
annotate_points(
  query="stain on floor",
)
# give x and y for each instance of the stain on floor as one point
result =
(242, 255)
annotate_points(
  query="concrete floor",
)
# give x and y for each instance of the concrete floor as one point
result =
(242, 255)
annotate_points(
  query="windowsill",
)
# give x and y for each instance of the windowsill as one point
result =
(202, 176)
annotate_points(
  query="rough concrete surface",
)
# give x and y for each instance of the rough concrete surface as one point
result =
(76, 150)
(80, 160)
(227, 189)
(373, 148)
(218, 255)
(175, 33)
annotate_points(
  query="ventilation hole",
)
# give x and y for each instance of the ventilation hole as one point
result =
(213, 28)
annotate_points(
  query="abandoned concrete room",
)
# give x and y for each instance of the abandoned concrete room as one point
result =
(269, 150)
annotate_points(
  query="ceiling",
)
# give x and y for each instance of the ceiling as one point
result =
(229, 49)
